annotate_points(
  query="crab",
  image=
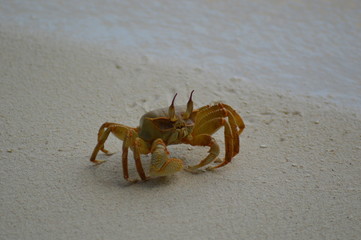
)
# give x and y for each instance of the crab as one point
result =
(174, 125)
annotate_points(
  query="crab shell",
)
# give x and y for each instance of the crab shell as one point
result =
(157, 124)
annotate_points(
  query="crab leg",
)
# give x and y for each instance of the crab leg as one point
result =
(210, 119)
(205, 140)
(211, 125)
(129, 137)
(139, 147)
(228, 136)
(233, 134)
(220, 110)
(161, 165)
(117, 129)
(99, 146)
(208, 112)
(125, 162)
(237, 119)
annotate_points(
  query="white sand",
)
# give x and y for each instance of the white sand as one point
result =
(297, 177)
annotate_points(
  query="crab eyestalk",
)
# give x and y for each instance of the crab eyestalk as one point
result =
(171, 111)
(189, 110)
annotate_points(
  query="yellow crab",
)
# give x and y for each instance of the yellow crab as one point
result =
(174, 125)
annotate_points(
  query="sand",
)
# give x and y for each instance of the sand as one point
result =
(297, 176)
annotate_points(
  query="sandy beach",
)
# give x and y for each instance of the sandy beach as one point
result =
(297, 176)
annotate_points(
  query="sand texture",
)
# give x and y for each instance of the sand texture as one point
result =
(298, 175)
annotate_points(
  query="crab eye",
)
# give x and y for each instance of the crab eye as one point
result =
(189, 110)
(171, 111)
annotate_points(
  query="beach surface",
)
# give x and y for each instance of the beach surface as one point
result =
(297, 176)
